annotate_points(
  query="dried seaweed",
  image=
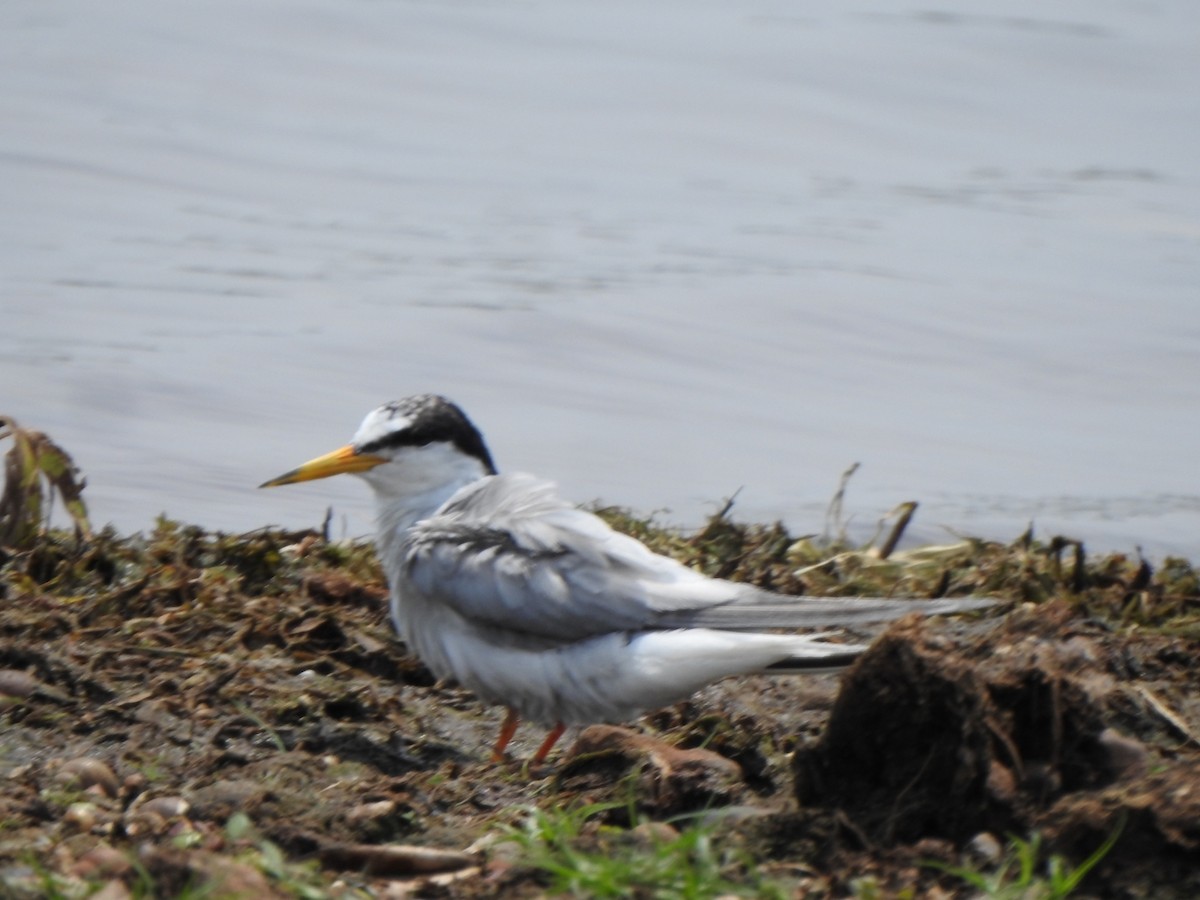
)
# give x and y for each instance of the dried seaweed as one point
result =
(35, 470)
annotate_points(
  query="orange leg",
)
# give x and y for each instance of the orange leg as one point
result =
(507, 730)
(548, 743)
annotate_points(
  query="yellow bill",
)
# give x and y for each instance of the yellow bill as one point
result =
(344, 459)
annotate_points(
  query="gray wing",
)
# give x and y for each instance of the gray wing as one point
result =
(507, 552)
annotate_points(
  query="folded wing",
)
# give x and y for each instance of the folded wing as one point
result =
(507, 552)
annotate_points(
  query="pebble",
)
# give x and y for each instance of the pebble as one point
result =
(153, 815)
(223, 798)
(985, 847)
(82, 815)
(134, 784)
(85, 772)
(17, 683)
(167, 807)
(103, 861)
(369, 812)
(1126, 757)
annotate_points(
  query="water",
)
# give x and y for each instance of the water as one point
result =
(659, 252)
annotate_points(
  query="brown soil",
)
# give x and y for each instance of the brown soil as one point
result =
(190, 711)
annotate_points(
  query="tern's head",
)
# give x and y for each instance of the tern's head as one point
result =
(417, 445)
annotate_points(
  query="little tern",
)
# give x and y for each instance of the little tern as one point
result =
(534, 604)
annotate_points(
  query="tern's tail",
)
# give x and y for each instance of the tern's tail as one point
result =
(753, 610)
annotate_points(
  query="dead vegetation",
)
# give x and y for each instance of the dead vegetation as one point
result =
(185, 713)
(35, 470)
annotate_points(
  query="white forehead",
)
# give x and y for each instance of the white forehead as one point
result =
(379, 423)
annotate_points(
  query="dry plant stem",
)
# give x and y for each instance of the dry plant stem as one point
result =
(906, 511)
(35, 469)
(833, 516)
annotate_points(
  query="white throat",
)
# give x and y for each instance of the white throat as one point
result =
(414, 485)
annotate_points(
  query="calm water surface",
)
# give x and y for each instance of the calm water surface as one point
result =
(660, 252)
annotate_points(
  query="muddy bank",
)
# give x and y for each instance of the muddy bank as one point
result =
(184, 711)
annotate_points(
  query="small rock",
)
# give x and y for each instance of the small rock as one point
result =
(167, 807)
(1124, 757)
(985, 848)
(85, 772)
(369, 812)
(221, 799)
(1001, 783)
(934, 848)
(82, 815)
(374, 821)
(17, 683)
(102, 861)
(133, 785)
(152, 816)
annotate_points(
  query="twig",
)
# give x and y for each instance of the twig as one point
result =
(1168, 714)
(906, 511)
(833, 516)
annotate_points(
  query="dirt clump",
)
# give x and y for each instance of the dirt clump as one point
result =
(1048, 722)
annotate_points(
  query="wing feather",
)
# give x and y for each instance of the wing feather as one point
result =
(508, 553)
(785, 611)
